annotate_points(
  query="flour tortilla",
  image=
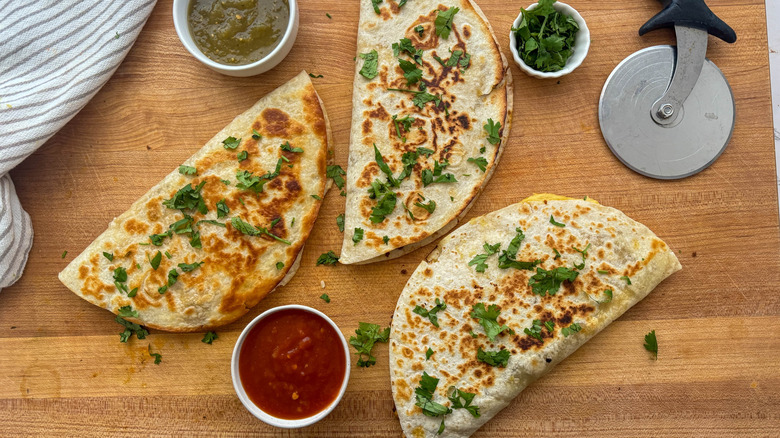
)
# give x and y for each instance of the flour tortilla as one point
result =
(238, 270)
(473, 95)
(618, 244)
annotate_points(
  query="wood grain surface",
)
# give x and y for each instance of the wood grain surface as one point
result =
(63, 370)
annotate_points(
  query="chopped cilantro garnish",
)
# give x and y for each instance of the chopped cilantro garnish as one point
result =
(328, 258)
(507, 258)
(317, 197)
(188, 198)
(493, 130)
(370, 62)
(481, 162)
(155, 261)
(109, 256)
(130, 330)
(480, 259)
(157, 356)
(557, 224)
(405, 45)
(243, 155)
(251, 230)
(431, 314)
(467, 397)
(570, 330)
(209, 337)
(367, 336)
(411, 72)
(550, 326)
(488, 318)
(419, 29)
(406, 122)
(279, 266)
(494, 358)
(424, 395)
(535, 331)
(651, 344)
(222, 209)
(313, 75)
(602, 271)
(286, 147)
(443, 22)
(325, 297)
(231, 142)
(340, 222)
(187, 170)
(628, 280)
(385, 239)
(336, 173)
(544, 282)
(357, 236)
(375, 4)
(425, 151)
(189, 267)
(430, 206)
(256, 135)
(127, 312)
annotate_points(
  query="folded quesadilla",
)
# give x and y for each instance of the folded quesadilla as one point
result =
(431, 109)
(504, 298)
(222, 231)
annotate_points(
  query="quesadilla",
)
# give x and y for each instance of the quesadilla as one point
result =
(506, 297)
(222, 231)
(431, 110)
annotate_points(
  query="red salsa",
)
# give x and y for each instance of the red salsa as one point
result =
(292, 364)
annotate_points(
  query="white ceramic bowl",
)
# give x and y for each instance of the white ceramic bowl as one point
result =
(269, 61)
(259, 413)
(581, 44)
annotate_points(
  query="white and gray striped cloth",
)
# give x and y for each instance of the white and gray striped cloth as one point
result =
(54, 56)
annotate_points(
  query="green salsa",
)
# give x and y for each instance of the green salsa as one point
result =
(237, 32)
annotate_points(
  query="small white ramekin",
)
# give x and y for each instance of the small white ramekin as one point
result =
(269, 61)
(259, 413)
(581, 44)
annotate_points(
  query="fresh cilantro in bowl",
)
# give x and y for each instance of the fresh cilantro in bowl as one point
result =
(545, 37)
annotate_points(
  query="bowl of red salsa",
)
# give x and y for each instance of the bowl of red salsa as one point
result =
(290, 366)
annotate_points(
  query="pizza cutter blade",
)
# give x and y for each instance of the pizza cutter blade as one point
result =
(668, 112)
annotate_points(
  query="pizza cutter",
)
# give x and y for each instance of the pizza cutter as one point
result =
(668, 112)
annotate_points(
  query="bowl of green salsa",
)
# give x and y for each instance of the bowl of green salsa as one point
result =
(237, 37)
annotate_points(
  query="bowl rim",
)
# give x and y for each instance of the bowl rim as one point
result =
(573, 62)
(253, 408)
(195, 51)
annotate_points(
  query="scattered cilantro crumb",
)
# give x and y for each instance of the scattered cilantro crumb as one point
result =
(64, 253)
(325, 298)
(209, 337)
(651, 344)
(157, 356)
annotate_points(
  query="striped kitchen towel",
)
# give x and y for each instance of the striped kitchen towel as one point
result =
(54, 56)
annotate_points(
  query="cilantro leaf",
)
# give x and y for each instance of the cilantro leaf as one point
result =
(481, 162)
(222, 209)
(431, 314)
(243, 155)
(544, 282)
(405, 45)
(494, 358)
(535, 331)
(325, 297)
(279, 266)
(127, 312)
(336, 173)
(231, 142)
(357, 236)
(385, 239)
(570, 330)
(157, 356)
(380, 161)
(340, 222)
(189, 267)
(188, 198)
(386, 200)
(256, 135)
(155, 261)
(480, 259)
(406, 123)
(493, 130)
(628, 280)
(187, 170)
(424, 395)
(557, 224)
(209, 337)
(109, 256)
(328, 258)
(488, 318)
(507, 258)
(130, 330)
(370, 60)
(428, 353)
(367, 335)
(375, 4)
(251, 230)
(411, 72)
(467, 397)
(430, 206)
(651, 344)
(443, 22)
(286, 147)
(425, 151)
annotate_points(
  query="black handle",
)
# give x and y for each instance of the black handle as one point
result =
(690, 13)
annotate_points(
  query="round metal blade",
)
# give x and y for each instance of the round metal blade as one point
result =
(689, 145)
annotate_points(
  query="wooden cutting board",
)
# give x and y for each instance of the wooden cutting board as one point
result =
(63, 370)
